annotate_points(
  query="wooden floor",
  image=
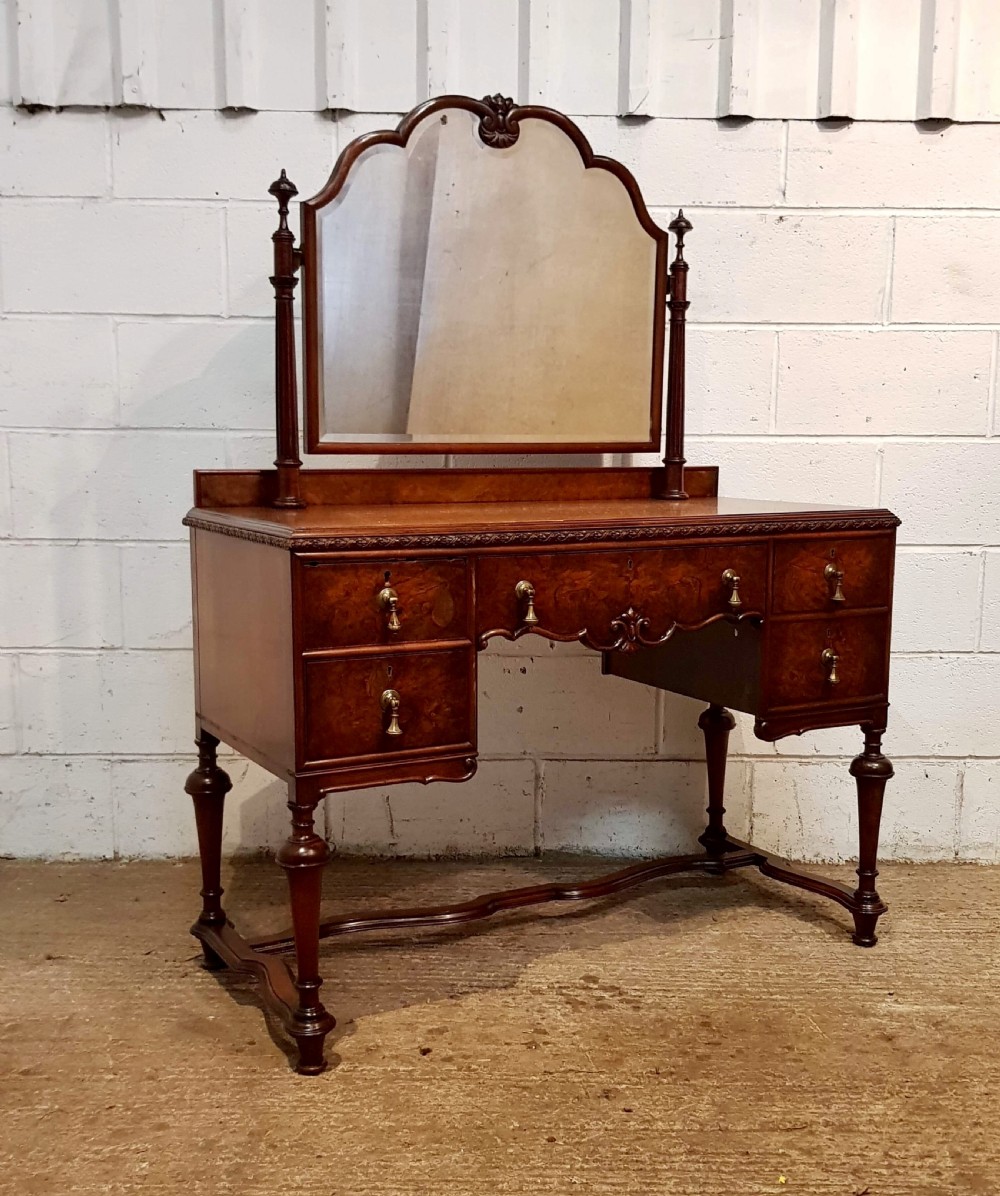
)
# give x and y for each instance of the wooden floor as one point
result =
(702, 1036)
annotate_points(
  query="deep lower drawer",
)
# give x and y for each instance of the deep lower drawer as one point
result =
(348, 712)
(348, 603)
(831, 575)
(817, 661)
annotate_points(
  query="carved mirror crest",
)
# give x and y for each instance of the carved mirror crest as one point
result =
(480, 281)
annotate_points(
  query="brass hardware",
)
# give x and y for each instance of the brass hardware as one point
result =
(835, 577)
(830, 661)
(525, 592)
(388, 600)
(390, 703)
(732, 580)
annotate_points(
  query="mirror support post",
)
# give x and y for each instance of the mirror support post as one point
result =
(286, 262)
(673, 461)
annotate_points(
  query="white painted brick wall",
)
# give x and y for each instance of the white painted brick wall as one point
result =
(845, 311)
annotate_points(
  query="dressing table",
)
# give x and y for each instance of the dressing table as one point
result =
(479, 281)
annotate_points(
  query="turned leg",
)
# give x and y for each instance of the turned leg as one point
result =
(208, 786)
(716, 722)
(303, 856)
(870, 770)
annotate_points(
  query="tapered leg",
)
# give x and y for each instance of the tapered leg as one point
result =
(303, 856)
(208, 786)
(870, 770)
(716, 722)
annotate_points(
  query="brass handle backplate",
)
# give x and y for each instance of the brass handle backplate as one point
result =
(835, 579)
(388, 600)
(390, 704)
(525, 593)
(731, 580)
(830, 661)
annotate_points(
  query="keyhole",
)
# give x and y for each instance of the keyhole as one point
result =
(387, 575)
(388, 670)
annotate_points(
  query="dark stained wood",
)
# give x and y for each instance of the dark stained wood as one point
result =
(800, 584)
(673, 462)
(487, 111)
(208, 786)
(403, 528)
(716, 724)
(288, 461)
(871, 770)
(797, 675)
(340, 606)
(733, 602)
(303, 856)
(579, 595)
(720, 662)
(490, 904)
(687, 583)
(343, 717)
(368, 487)
(244, 648)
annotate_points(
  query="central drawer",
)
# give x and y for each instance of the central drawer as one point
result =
(395, 601)
(576, 591)
(346, 714)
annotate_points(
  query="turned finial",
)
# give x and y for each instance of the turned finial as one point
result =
(680, 226)
(284, 191)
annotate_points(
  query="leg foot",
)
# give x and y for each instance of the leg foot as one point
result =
(210, 961)
(303, 857)
(716, 722)
(311, 1060)
(208, 786)
(871, 770)
(864, 929)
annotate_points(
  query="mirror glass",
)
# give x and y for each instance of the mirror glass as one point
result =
(475, 295)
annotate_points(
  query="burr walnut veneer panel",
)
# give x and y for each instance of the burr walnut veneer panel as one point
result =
(340, 601)
(344, 717)
(801, 583)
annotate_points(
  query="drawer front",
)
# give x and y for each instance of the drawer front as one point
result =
(586, 591)
(573, 591)
(686, 585)
(798, 674)
(802, 583)
(341, 607)
(344, 713)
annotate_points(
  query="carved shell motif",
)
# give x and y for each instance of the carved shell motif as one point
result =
(497, 128)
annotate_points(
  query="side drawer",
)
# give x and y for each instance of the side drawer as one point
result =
(798, 674)
(340, 605)
(344, 717)
(802, 583)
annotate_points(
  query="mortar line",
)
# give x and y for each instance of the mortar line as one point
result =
(889, 272)
(991, 397)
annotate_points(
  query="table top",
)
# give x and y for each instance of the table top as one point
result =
(498, 523)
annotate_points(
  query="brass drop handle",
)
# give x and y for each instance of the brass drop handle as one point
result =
(525, 593)
(390, 704)
(388, 600)
(731, 579)
(835, 578)
(830, 661)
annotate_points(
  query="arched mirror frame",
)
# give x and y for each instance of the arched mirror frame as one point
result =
(499, 121)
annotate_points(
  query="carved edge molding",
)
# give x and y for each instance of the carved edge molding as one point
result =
(576, 535)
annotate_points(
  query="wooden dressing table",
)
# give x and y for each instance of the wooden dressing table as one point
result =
(479, 281)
